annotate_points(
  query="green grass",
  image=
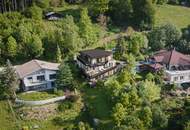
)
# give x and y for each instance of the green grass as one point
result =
(7, 121)
(39, 95)
(177, 15)
(101, 108)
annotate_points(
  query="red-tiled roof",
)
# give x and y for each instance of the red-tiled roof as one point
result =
(171, 58)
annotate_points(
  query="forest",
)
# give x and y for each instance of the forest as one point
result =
(125, 101)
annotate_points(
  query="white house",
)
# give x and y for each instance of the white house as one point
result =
(37, 75)
(175, 65)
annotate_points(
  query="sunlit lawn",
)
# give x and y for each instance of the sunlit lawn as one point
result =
(38, 95)
(177, 15)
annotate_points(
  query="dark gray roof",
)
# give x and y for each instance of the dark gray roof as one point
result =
(96, 53)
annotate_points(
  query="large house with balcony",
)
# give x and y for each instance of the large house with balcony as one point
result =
(37, 75)
(175, 65)
(97, 64)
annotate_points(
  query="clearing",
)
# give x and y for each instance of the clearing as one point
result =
(177, 15)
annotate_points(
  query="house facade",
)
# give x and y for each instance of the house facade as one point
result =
(175, 65)
(97, 64)
(37, 75)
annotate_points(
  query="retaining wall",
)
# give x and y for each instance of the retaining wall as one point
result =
(40, 102)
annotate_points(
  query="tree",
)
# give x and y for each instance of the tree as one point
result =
(42, 3)
(87, 30)
(150, 77)
(68, 36)
(119, 114)
(98, 7)
(137, 42)
(187, 126)
(144, 13)
(121, 49)
(64, 77)
(83, 126)
(166, 36)
(130, 100)
(34, 12)
(148, 90)
(121, 11)
(11, 47)
(58, 55)
(9, 81)
(161, 2)
(146, 116)
(34, 47)
(113, 88)
(160, 119)
(134, 123)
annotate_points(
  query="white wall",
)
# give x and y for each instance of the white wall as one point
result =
(34, 75)
(174, 76)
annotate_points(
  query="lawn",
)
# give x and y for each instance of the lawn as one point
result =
(96, 98)
(177, 15)
(7, 121)
(39, 95)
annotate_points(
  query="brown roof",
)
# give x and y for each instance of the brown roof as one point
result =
(156, 66)
(96, 53)
(171, 58)
(33, 66)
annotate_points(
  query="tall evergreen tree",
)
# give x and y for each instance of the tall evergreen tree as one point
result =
(11, 47)
(64, 77)
(58, 55)
(87, 30)
(9, 81)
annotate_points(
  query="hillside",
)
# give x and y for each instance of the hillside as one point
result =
(178, 15)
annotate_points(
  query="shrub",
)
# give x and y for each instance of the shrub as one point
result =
(73, 98)
(65, 106)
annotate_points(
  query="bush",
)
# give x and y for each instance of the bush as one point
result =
(65, 106)
(73, 98)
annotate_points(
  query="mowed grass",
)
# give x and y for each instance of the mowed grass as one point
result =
(34, 96)
(177, 15)
(7, 121)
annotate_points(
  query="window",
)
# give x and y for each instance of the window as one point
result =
(41, 78)
(175, 78)
(181, 77)
(52, 76)
(30, 79)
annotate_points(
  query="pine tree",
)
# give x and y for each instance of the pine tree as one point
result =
(9, 81)
(11, 47)
(64, 77)
(87, 30)
(58, 55)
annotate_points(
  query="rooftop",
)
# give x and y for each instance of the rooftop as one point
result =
(96, 53)
(171, 57)
(33, 66)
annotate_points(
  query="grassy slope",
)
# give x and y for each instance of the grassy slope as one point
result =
(177, 15)
(96, 98)
(6, 118)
